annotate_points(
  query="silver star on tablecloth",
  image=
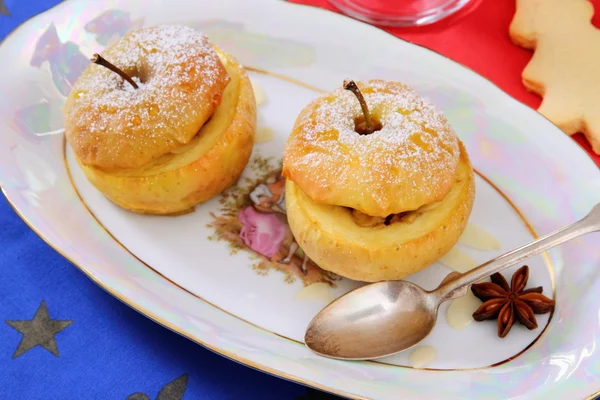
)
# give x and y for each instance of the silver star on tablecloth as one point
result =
(173, 390)
(3, 9)
(39, 331)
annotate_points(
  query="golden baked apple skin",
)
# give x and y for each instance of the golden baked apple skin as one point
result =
(113, 127)
(331, 238)
(212, 162)
(410, 162)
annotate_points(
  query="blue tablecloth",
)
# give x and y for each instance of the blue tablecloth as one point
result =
(62, 337)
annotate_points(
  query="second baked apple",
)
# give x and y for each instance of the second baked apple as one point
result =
(378, 184)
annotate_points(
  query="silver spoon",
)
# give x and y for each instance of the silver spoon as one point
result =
(384, 318)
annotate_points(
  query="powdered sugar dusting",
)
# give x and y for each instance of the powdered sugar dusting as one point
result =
(180, 78)
(415, 154)
(129, 88)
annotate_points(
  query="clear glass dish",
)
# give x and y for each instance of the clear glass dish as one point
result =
(399, 12)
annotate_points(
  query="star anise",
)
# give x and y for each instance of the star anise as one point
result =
(509, 302)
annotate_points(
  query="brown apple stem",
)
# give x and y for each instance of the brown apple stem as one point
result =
(351, 86)
(98, 59)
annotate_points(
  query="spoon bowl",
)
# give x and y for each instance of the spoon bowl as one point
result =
(388, 316)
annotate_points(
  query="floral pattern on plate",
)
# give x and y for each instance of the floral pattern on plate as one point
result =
(253, 217)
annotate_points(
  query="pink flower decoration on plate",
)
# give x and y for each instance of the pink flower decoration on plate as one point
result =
(261, 232)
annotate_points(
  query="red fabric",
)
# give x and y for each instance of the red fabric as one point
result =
(477, 37)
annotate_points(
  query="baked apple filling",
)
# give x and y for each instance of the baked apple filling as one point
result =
(368, 221)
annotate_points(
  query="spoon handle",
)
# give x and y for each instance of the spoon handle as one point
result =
(454, 288)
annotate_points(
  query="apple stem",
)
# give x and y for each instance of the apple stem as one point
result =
(98, 59)
(351, 86)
